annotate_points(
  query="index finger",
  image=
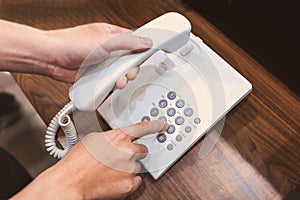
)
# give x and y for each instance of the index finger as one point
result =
(126, 41)
(143, 128)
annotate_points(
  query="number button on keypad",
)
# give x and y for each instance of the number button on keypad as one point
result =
(161, 138)
(180, 103)
(171, 129)
(197, 120)
(179, 120)
(171, 95)
(170, 147)
(188, 112)
(163, 118)
(154, 112)
(188, 129)
(163, 103)
(171, 112)
(178, 138)
(145, 118)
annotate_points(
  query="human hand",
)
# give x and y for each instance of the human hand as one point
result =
(101, 166)
(60, 53)
(95, 41)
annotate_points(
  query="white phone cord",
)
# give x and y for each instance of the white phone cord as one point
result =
(62, 120)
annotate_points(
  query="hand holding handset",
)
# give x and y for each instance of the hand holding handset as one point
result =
(90, 90)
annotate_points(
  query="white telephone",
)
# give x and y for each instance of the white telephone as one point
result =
(181, 80)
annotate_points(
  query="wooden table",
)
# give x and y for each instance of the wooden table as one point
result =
(258, 154)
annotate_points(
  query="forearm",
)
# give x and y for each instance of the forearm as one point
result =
(51, 184)
(20, 48)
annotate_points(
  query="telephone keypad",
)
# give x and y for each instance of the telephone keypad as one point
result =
(177, 115)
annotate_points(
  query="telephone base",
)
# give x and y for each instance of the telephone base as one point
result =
(192, 89)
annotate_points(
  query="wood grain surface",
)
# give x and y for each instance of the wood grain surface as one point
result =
(258, 154)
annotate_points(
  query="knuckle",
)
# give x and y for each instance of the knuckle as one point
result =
(144, 123)
(98, 27)
(125, 132)
(130, 151)
(128, 187)
(116, 134)
(56, 73)
(122, 136)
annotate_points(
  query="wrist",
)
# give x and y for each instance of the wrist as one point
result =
(26, 48)
(51, 184)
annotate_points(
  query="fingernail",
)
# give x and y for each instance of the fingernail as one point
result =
(146, 41)
(166, 125)
(122, 82)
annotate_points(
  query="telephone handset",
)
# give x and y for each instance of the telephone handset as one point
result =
(165, 35)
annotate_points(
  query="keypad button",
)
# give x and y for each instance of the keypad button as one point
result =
(179, 120)
(171, 112)
(154, 112)
(171, 129)
(170, 147)
(163, 103)
(197, 120)
(188, 129)
(178, 138)
(188, 112)
(180, 103)
(171, 95)
(161, 137)
(163, 118)
(145, 118)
